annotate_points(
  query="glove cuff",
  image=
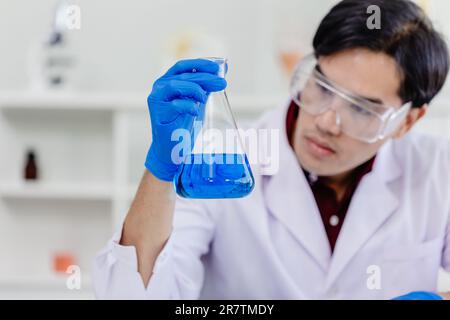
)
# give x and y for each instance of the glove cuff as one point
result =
(162, 171)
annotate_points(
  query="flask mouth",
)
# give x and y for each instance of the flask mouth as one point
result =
(222, 62)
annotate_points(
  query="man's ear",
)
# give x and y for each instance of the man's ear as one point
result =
(413, 116)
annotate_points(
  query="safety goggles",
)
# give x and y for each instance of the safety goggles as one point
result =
(357, 117)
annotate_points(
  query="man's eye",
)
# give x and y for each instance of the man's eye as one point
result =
(359, 110)
(324, 90)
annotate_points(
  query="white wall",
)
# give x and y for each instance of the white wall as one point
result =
(121, 44)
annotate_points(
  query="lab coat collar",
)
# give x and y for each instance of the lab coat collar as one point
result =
(295, 207)
(290, 200)
(372, 204)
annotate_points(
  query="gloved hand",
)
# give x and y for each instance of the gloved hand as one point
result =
(177, 99)
(419, 295)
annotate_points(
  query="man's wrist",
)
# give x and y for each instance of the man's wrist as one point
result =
(164, 172)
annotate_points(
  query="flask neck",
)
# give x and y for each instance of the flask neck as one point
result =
(222, 62)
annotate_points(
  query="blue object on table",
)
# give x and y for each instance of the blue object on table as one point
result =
(419, 295)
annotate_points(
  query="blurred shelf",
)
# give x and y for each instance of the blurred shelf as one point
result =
(69, 101)
(104, 101)
(44, 282)
(114, 101)
(49, 191)
(46, 294)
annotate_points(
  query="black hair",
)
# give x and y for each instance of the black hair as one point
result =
(405, 33)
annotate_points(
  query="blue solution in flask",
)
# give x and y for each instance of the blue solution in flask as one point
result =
(215, 176)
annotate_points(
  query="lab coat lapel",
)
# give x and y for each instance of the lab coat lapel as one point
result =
(372, 204)
(290, 200)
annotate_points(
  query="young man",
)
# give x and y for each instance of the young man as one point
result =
(359, 208)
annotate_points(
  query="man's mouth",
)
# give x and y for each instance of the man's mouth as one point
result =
(319, 148)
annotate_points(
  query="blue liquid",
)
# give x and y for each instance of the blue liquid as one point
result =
(230, 177)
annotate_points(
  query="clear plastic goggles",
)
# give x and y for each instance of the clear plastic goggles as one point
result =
(357, 117)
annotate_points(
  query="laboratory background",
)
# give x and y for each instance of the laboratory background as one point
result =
(74, 124)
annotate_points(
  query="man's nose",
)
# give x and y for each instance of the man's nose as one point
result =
(329, 122)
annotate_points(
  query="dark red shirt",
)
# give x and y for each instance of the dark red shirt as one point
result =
(331, 210)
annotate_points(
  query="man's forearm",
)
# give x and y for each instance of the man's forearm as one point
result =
(149, 222)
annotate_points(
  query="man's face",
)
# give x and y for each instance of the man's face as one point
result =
(320, 145)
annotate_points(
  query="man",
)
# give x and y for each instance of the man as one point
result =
(359, 208)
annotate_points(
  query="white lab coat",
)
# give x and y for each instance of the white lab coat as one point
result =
(272, 244)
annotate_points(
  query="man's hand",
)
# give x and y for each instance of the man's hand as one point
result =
(177, 98)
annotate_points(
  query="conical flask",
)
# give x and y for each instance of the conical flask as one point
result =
(217, 166)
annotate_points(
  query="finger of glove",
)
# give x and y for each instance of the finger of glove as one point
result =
(167, 112)
(178, 89)
(193, 65)
(184, 106)
(209, 82)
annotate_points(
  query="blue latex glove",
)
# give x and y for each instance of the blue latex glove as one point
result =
(419, 295)
(177, 99)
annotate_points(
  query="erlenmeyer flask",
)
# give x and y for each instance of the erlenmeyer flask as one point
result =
(217, 166)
